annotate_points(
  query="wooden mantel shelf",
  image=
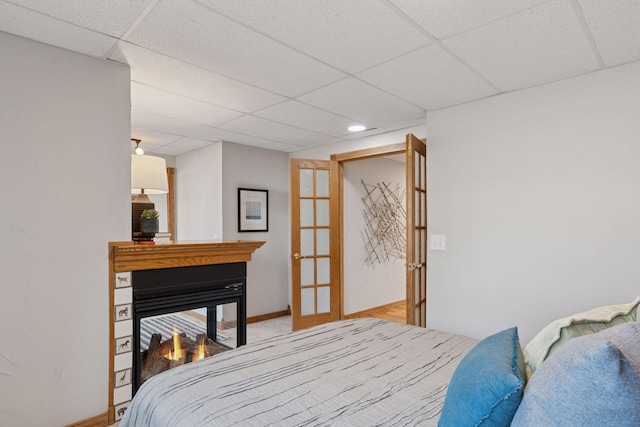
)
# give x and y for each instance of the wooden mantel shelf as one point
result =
(127, 256)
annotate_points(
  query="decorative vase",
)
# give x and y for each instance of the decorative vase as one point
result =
(149, 225)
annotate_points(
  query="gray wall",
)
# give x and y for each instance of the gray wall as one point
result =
(538, 193)
(65, 191)
(267, 272)
(207, 184)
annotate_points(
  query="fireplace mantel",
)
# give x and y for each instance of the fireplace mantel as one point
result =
(128, 257)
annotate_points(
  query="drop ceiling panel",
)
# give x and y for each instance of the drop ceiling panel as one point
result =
(169, 150)
(195, 34)
(430, 78)
(36, 26)
(536, 46)
(446, 18)
(615, 26)
(111, 17)
(189, 144)
(160, 71)
(156, 123)
(150, 137)
(337, 38)
(159, 125)
(273, 145)
(357, 100)
(167, 104)
(229, 136)
(267, 129)
(304, 70)
(300, 115)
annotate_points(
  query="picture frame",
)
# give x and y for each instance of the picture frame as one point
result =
(253, 210)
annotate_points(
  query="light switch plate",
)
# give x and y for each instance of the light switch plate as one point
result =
(438, 242)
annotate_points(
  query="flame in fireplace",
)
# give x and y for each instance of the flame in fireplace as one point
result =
(176, 353)
(200, 354)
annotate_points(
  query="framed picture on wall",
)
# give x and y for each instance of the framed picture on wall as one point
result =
(253, 210)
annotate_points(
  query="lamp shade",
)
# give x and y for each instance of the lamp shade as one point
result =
(148, 173)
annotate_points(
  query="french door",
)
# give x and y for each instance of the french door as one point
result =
(416, 231)
(316, 214)
(315, 293)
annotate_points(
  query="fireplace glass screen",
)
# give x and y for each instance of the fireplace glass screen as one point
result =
(177, 338)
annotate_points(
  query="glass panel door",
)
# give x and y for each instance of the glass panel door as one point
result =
(416, 231)
(315, 294)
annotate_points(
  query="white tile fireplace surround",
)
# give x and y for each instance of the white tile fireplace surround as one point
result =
(142, 275)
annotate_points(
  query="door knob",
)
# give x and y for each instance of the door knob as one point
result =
(413, 266)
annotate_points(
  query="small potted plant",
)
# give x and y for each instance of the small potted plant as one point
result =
(149, 221)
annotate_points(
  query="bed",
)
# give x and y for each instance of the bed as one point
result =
(581, 370)
(361, 372)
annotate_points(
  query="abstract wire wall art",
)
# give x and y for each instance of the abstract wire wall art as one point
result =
(385, 220)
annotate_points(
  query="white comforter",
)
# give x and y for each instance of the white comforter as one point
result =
(363, 372)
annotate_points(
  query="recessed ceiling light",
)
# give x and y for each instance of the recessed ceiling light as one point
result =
(356, 128)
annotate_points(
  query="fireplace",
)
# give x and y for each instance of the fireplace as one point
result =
(174, 339)
(152, 285)
(176, 298)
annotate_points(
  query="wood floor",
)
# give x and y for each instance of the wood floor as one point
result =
(395, 312)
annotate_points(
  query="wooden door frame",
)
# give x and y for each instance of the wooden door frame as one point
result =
(338, 182)
(171, 203)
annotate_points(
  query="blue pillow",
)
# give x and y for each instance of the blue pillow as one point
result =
(486, 387)
(593, 380)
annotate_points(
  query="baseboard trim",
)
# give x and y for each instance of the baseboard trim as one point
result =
(269, 316)
(368, 312)
(101, 420)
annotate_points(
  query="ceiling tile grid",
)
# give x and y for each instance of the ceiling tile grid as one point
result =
(162, 103)
(532, 47)
(36, 26)
(350, 35)
(259, 127)
(195, 34)
(445, 80)
(297, 114)
(181, 78)
(615, 26)
(447, 18)
(150, 140)
(113, 17)
(353, 98)
(224, 135)
(288, 74)
(162, 124)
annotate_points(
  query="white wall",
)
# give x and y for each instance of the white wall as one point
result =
(369, 286)
(267, 272)
(65, 187)
(198, 182)
(538, 193)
